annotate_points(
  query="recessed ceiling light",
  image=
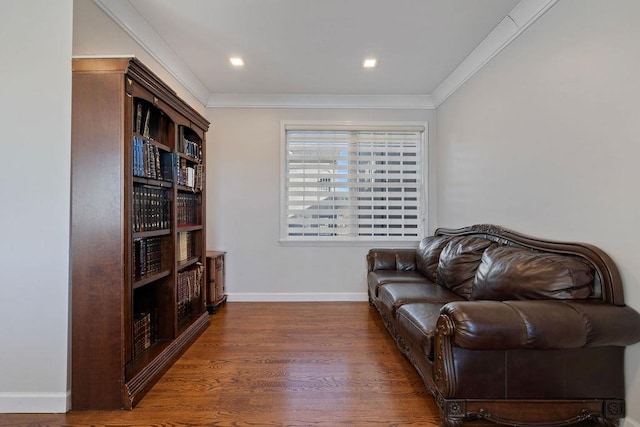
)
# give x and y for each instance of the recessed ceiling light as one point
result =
(370, 63)
(236, 61)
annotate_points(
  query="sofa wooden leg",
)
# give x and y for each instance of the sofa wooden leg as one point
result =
(607, 422)
(451, 422)
(452, 412)
(613, 410)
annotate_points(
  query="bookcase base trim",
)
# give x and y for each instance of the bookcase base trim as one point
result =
(138, 386)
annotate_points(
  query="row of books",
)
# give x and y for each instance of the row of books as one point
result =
(148, 162)
(186, 246)
(150, 209)
(190, 175)
(181, 171)
(147, 257)
(190, 148)
(190, 285)
(146, 119)
(189, 143)
(151, 162)
(142, 124)
(144, 332)
(188, 209)
(187, 175)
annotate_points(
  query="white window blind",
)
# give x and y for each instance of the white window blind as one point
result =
(353, 184)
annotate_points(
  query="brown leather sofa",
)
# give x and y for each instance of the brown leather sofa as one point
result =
(508, 328)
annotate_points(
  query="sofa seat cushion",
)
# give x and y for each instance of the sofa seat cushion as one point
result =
(378, 278)
(416, 323)
(394, 295)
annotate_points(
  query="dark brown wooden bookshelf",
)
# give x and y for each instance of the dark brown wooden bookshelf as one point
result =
(130, 135)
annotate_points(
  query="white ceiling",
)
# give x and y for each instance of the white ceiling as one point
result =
(301, 52)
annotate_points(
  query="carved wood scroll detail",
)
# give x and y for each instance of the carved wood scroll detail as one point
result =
(614, 409)
(444, 373)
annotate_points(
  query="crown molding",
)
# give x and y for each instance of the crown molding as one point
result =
(129, 19)
(525, 13)
(519, 19)
(217, 100)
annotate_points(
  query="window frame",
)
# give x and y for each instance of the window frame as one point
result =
(404, 241)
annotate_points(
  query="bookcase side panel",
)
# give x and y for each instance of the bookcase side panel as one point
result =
(203, 213)
(97, 240)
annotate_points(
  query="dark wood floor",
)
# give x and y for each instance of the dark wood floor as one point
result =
(278, 364)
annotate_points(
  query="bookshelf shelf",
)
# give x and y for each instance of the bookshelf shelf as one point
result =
(186, 322)
(154, 142)
(187, 228)
(136, 306)
(154, 233)
(187, 189)
(143, 359)
(184, 264)
(189, 158)
(150, 279)
(152, 182)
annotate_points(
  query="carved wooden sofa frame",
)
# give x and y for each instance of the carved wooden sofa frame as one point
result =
(463, 354)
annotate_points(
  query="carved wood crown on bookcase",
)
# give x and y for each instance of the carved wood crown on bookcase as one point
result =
(604, 266)
(136, 70)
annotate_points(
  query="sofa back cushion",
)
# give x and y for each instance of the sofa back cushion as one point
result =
(459, 261)
(428, 255)
(509, 273)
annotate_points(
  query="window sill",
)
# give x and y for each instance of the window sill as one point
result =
(352, 243)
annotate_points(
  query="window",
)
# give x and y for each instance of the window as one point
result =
(353, 182)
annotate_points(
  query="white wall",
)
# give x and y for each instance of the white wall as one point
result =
(35, 116)
(94, 33)
(243, 206)
(546, 140)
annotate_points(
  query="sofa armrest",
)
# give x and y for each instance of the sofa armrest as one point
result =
(391, 259)
(539, 324)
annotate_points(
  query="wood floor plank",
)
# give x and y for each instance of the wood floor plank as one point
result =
(277, 364)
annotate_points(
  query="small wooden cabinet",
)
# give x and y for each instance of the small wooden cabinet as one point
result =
(216, 296)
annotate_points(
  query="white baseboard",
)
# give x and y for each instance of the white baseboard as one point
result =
(630, 422)
(296, 297)
(32, 403)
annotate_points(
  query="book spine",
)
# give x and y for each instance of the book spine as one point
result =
(147, 257)
(143, 332)
(188, 209)
(190, 285)
(147, 118)
(157, 171)
(150, 209)
(138, 117)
